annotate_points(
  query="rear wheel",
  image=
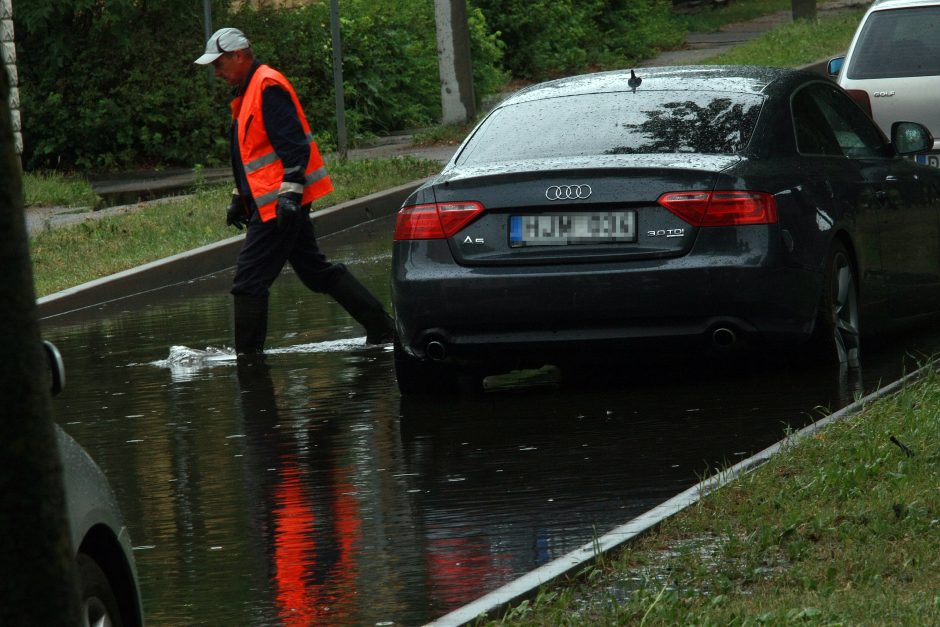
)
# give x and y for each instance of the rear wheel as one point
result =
(837, 328)
(99, 604)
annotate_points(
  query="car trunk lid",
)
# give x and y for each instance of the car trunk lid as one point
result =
(576, 211)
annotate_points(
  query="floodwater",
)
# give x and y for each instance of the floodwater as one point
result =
(308, 492)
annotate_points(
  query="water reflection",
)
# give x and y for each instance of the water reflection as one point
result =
(312, 533)
(307, 491)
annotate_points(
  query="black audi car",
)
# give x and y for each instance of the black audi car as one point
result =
(691, 206)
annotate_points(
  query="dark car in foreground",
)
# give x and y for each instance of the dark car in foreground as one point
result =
(103, 553)
(104, 558)
(675, 206)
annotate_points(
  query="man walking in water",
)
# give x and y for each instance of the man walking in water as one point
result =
(278, 172)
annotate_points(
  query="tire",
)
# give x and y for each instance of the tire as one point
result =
(837, 336)
(99, 604)
(423, 377)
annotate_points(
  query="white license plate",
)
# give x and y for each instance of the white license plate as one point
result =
(598, 227)
(931, 160)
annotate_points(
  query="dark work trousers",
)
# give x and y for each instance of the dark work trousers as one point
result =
(268, 246)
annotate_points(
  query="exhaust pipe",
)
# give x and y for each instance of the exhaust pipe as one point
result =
(436, 350)
(723, 337)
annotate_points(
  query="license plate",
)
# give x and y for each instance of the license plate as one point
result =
(932, 160)
(557, 229)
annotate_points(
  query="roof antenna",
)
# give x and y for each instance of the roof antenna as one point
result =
(634, 81)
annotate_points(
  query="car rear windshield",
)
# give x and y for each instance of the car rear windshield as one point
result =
(616, 123)
(896, 43)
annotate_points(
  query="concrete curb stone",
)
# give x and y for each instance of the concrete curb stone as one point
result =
(213, 257)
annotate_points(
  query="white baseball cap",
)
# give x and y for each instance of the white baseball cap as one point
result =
(222, 41)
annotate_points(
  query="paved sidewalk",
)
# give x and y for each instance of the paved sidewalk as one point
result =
(137, 188)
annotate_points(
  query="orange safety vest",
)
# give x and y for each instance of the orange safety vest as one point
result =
(263, 168)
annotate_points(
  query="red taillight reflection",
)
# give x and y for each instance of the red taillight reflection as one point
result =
(722, 208)
(435, 220)
(861, 99)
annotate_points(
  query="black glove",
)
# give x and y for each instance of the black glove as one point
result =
(288, 209)
(235, 216)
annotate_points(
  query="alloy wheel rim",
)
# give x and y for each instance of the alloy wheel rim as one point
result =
(845, 313)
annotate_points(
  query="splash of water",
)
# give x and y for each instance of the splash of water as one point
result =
(186, 358)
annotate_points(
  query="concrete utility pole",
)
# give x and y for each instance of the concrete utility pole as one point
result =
(9, 62)
(339, 94)
(804, 10)
(207, 27)
(454, 62)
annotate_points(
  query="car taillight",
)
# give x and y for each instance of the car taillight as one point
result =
(725, 208)
(861, 99)
(435, 220)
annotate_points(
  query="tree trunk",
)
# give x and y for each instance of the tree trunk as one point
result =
(38, 585)
(804, 10)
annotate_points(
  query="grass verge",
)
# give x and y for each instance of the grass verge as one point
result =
(712, 18)
(53, 189)
(69, 256)
(840, 530)
(795, 44)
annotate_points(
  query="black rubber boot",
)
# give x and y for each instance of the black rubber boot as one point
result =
(364, 307)
(251, 325)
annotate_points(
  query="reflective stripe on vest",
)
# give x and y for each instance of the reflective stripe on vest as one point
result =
(264, 170)
(310, 179)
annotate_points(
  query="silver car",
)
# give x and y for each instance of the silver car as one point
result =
(892, 67)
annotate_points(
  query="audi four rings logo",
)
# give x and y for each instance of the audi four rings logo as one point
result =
(568, 192)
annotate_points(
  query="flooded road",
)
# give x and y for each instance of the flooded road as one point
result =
(307, 491)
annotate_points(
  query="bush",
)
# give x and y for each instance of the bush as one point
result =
(550, 38)
(109, 84)
(97, 93)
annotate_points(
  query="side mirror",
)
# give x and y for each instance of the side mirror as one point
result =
(910, 138)
(835, 66)
(56, 367)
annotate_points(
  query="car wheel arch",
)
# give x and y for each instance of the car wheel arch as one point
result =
(845, 239)
(104, 548)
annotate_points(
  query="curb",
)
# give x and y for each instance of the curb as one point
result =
(491, 605)
(212, 258)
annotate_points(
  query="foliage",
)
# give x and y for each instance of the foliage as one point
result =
(549, 38)
(390, 70)
(97, 94)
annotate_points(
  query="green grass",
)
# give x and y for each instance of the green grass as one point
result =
(69, 256)
(712, 18)
(842, 529)
(53, 189)
(797, 43)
